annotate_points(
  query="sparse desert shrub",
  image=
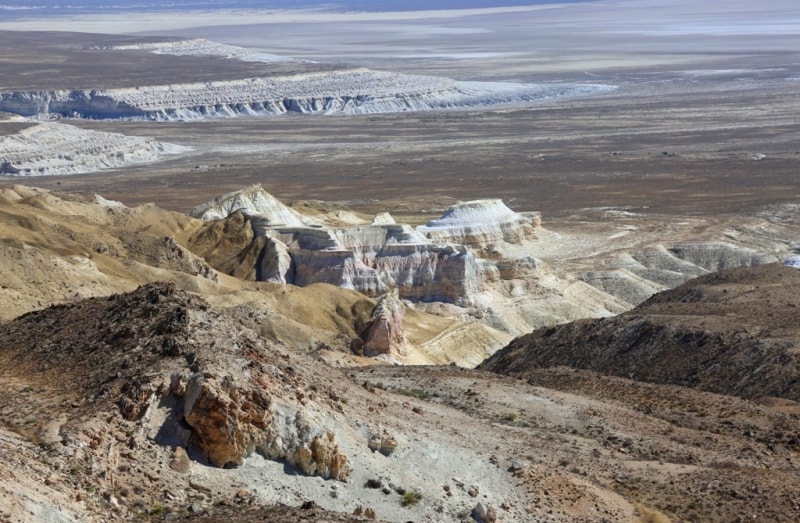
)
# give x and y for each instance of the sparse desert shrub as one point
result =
(414, 393)
(373, 483)
(511, 416)
(411, 498)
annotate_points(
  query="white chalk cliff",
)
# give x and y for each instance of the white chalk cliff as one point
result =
(420, 265)
(346, 91)
(50, 148)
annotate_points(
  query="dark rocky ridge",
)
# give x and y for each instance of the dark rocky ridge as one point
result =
(733, 332)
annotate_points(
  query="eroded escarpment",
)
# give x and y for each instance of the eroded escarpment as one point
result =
(347, 91)
(479, 259)
(436, 262)
(50, 148)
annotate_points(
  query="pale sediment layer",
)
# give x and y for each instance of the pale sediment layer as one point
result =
(203, 47)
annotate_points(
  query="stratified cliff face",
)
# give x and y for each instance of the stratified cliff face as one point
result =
(480, 223)
(431, 263)
(49, 148)
(349, 91)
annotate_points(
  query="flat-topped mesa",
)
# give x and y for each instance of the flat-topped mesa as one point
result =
(50, 148)
(480, 223)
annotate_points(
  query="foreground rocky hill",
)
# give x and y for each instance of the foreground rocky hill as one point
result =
(212, 396)
(733, 332)
(162, 406)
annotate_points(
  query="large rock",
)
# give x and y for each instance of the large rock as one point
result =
(231, 417)
(226, 418)
(384, 334)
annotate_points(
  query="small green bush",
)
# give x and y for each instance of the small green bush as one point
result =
(411, 498)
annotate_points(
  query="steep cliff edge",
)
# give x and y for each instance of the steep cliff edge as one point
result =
(436, 262)
(50, 148)
(345, 91)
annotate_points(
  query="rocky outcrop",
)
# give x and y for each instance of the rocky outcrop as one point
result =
(49, 148)
(432, 263)
(230, 418)
(255, 203)
(384, 334)
(481, 223)
(348, 91)
(226, 391)
(274, 262)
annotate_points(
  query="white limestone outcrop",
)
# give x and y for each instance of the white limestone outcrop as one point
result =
(346, 91)
(480, 223)
(377, 257)
(50, 148)
(253, 202)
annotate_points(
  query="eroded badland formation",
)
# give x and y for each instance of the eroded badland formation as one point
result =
(364, 295)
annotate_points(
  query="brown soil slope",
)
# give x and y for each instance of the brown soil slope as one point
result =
(734, 332)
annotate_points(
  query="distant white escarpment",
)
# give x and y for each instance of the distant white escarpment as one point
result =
(50, 148)
(348, 91)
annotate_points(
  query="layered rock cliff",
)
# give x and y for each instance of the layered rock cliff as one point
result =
(349, 91)
(50, 148)
(430, 263)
